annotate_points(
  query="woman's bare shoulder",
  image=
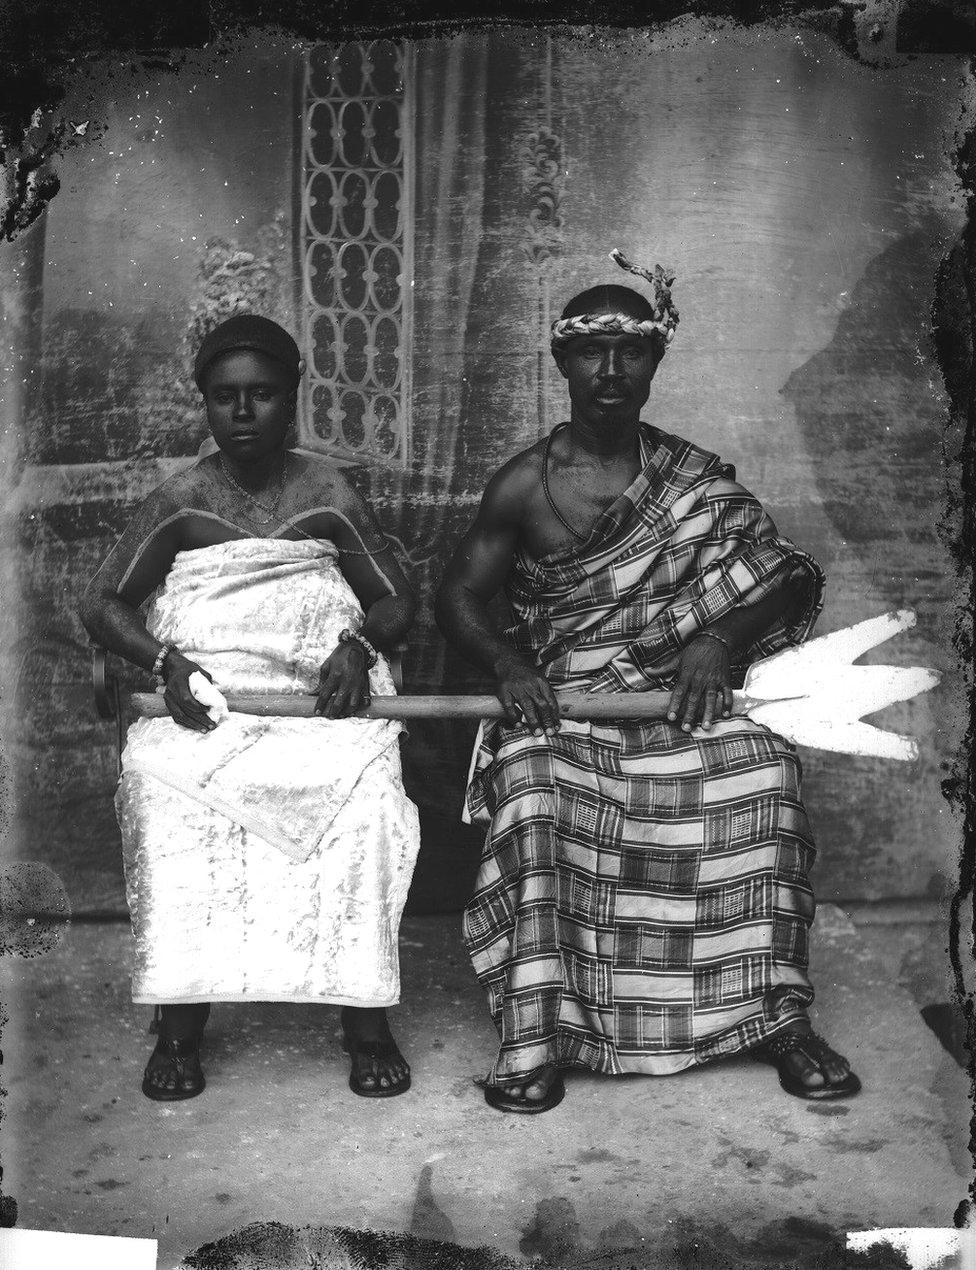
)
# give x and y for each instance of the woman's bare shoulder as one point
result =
(173, 494)
(317, 480)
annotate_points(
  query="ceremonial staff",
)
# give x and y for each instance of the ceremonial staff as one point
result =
(812, 695)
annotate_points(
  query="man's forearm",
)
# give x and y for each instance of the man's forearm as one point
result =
(743, 626)
(464, 621)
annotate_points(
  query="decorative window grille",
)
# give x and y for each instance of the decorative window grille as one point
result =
(356, 245)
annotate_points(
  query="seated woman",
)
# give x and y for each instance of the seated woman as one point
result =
(266, 859)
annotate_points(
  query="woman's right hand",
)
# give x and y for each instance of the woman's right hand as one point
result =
(182, 705)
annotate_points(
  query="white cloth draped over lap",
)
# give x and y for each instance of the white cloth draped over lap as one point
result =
(270, 858)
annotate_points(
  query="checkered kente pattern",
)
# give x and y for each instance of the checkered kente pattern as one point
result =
(642, 903)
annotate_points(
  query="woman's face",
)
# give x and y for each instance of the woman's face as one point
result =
(250, 400)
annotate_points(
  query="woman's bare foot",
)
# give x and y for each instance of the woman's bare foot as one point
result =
(173, 1072)
(379, 1070)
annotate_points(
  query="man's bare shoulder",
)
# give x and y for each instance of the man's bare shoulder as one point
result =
(526, 465)
(508, 492)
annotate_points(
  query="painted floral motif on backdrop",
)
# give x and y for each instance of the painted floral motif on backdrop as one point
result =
(231, 278)
(543, 183)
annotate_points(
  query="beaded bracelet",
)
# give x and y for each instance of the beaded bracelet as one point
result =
(372, 656)
(157, 666)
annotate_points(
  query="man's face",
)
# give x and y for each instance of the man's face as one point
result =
(608, 376)
(250, 402)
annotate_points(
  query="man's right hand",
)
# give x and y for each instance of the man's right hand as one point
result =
(180, 701)
(527, 697)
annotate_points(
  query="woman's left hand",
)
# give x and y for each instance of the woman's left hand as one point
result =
(703, 692)
(343, 682)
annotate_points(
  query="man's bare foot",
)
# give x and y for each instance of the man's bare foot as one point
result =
(543, 1092)
(379, 1070)
(807, 1066)
(828, 1068)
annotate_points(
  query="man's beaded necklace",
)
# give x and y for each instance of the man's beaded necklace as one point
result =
(545, 488)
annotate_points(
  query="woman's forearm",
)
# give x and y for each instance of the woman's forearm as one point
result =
(117, 626)
(387, 621)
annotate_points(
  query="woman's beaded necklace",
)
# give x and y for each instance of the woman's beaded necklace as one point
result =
(272, 511)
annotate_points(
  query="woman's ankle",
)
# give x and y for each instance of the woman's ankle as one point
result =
(183, 1022)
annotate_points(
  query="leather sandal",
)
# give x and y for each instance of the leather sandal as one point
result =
(775, 1050)
(182, 1054)
(375, 1049)
(495, 1096)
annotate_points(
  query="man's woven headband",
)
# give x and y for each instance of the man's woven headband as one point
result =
(665, 314)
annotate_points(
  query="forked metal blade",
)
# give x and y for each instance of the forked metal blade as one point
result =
(793, 671)
(814, 696)
(804, 726)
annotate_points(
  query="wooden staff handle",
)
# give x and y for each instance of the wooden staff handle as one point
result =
(581, 706)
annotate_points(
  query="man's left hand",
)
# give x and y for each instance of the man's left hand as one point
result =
(343, 682)
(703, 692)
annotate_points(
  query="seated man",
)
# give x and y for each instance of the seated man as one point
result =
(642, 903)
(266, 859)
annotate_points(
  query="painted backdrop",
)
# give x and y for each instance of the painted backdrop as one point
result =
(804, 200)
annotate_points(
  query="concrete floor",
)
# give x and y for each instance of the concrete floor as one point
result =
(277, 1136)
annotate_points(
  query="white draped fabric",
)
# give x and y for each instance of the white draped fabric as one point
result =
(270, 858)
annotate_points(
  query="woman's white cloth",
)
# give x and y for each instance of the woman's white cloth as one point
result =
(270, 858)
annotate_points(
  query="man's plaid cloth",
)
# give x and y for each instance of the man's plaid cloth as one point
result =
(642, 903)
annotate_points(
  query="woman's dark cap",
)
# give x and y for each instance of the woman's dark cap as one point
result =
(253, 333)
